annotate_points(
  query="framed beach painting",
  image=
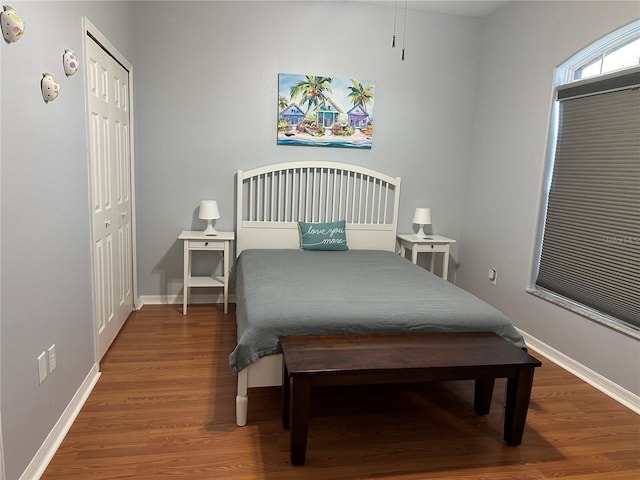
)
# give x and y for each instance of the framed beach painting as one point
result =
(325, 111)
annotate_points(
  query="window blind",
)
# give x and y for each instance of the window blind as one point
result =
(591, 243)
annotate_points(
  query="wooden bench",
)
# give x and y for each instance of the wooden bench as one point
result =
(330, 360)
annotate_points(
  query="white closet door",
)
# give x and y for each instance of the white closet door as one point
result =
(110, 165)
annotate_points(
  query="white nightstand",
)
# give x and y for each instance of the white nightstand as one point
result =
(430, 244)
(199, 241)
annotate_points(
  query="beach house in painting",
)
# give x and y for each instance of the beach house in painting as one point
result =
(328, 113)
(358, 117)
(293, 115)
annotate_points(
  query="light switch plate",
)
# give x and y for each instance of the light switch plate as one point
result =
(493, 276)
(52, 357)
(42, 367)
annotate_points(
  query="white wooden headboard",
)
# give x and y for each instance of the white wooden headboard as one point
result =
(271, 200)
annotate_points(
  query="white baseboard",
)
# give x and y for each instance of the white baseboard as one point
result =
(47, 450)
(2, 477)
(177, 299)
(606, 386)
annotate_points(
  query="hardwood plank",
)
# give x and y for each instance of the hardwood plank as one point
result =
(164, 407)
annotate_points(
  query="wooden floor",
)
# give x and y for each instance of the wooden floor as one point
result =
(164, 409)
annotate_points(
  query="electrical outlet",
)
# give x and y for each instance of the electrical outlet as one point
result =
(42, 367)
(52, 357)
(493, 276)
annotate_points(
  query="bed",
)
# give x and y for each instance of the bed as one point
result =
(284, 290)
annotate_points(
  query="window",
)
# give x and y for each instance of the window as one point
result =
(589, 260)
(619, 56)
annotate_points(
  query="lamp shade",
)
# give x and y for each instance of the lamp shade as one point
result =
(422, 216)
(209, 210)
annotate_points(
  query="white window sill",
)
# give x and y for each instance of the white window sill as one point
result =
(601, 318)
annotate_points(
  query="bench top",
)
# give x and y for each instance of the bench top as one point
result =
(314, 354)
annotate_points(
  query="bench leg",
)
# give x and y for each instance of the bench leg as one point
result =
(482, 395)
(517, 404)
(286, 397)
(300, 393)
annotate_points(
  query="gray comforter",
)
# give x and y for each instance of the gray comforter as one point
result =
(287, 292)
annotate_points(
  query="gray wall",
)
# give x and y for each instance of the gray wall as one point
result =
(45, 248)
(206, 107)
(205, 95)
(521, 45)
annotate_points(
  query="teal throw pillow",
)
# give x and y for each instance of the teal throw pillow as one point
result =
(323, 236)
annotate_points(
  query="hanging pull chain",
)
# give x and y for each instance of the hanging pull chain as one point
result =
(404, 32)
(395, 16)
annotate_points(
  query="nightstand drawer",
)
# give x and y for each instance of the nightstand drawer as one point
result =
(206, 245)
(433, 248)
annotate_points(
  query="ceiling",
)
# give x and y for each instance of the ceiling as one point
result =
(469, 8)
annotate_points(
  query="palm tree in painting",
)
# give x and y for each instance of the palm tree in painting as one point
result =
(312, 91)
(361, 94)
(283, 102)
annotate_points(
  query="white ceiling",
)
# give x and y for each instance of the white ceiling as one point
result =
(469, 8)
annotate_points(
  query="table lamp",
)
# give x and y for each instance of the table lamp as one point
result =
(209, 211)
(422, 217)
